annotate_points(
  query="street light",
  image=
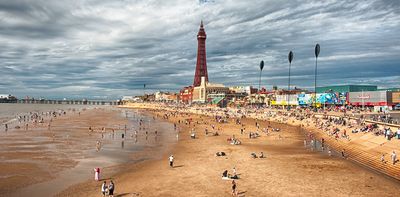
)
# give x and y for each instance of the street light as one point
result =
(317, 49)
(144, 91)
(290, 58)
(261, 68)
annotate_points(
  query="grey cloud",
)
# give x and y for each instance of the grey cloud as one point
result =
(114, 47)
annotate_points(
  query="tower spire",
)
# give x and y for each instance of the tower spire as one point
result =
(201, 64)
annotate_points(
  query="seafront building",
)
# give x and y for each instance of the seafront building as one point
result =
(209, 92)
(165, 96)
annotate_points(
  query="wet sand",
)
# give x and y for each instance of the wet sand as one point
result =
(43, 162)
(289, 169)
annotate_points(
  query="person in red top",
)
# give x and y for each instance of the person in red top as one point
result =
(97, 174)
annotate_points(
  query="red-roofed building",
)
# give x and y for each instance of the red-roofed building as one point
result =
(186, 94)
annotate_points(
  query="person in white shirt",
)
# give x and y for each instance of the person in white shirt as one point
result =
(171, 161)
(398, 133)
(104, 188)
(394, 157)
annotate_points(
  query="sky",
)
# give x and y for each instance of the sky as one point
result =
(106, 49)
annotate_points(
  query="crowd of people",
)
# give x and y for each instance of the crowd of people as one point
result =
(386, 118)
(337, 122)
(35, 118)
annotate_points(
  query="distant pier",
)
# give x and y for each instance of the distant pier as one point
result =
(69, 102)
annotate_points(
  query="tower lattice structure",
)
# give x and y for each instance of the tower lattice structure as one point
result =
(201, 65)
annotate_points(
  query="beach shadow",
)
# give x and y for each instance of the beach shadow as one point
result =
(107, 179)
(242, 193)
(121, 195)
(178, 166)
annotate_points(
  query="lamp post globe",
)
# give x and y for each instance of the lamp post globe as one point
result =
(290, 58)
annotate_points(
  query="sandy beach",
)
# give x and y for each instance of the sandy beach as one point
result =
(288, 169)
(43, 161)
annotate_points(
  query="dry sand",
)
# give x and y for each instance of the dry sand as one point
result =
(288, 169)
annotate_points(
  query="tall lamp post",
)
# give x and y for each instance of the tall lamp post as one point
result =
(317, 49)
(290, 58)
(144, 91)
(261, 68)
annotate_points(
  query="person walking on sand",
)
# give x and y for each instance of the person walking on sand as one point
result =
(383, 158)
(343, 153)
(171, 161)
(104, 188)
(394, 157)
(96, 174)
(234, 191)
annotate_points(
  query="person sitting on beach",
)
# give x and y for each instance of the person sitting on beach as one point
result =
(261, 155)
(235, 142)
(254, 155)
(193, 136)
(225, 174)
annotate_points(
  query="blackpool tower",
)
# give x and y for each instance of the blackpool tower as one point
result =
(201, 65)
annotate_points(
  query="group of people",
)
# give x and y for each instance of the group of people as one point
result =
(226, 175)
(233, 176)
(385, 118)
(33, 118)
(254, 155)
(108, 190)
(393, 157)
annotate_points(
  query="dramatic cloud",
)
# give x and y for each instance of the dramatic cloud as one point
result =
(106, 49)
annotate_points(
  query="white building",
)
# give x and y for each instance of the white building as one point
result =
(208, 91)
(241, 89)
